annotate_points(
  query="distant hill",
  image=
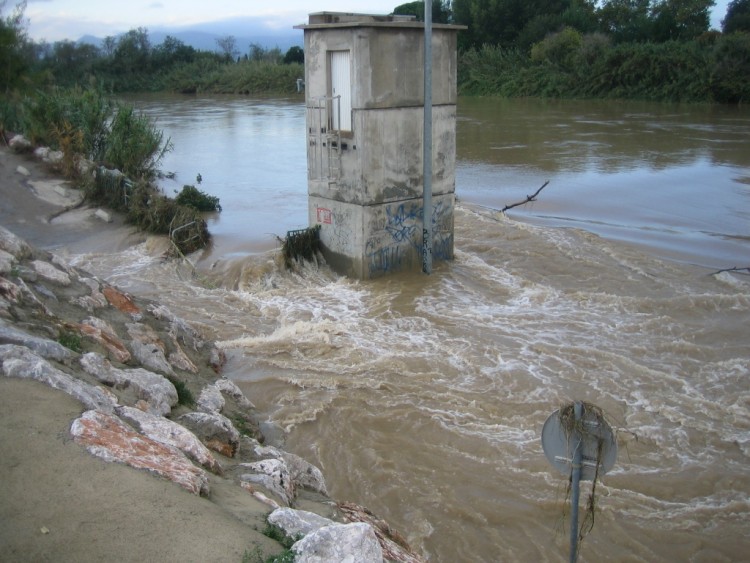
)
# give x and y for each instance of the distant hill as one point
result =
(246, 31)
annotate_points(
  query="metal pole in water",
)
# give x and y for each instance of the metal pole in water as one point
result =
(427, 143)
(575, 485)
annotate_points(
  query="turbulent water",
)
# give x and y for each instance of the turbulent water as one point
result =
(423, 397)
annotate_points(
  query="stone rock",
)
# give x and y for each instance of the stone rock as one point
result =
(103, 215)
(151, 387)
(9, 291)
(394, 545)
(180, 360)
(19, 143)
(41, 152)
(215, 430)
(107, 437)
(179, 328)
(13, 245)
(99, 331)
(272, 474)
(218, 359)
(297, 523)
(44, 347)
(122, 302)
(94, 301)
(85, 166)
(148, 348)
(168, 432)
(50, 273)
(229, 387)
(53, 157)
(23, 171)
(211, 400)
(7, 261)
(19, 361)
(339, 543)
(303, 474)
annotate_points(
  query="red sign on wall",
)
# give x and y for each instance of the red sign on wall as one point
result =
(325, 216)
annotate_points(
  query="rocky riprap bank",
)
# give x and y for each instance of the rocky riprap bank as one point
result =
(125, 360)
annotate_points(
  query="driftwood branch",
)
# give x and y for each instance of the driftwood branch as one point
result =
(734, 269)
(527, 200)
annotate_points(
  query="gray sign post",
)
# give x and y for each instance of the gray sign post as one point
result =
(583, 447)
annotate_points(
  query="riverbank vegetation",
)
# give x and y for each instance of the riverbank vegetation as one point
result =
(662, 50)
(131, 63)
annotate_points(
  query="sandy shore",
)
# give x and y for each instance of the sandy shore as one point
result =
(59, 503)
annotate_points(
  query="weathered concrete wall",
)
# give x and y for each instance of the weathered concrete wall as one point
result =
(370, 241)
(384, 161)
(369, 203)
(386, 62)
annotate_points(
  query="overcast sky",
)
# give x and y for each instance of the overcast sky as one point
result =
(54, 20)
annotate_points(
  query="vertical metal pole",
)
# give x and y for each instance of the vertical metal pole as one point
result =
(575, 485)
(427, 143)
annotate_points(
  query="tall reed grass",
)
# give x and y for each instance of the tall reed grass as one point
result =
(85, 123)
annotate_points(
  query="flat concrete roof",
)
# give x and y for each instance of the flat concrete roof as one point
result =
(324, 20)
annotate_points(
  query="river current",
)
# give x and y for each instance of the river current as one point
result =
(423, 397)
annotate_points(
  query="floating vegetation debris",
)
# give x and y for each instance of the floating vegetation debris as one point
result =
(302, 244)
(151, 211)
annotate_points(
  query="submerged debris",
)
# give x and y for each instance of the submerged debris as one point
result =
(302, 244)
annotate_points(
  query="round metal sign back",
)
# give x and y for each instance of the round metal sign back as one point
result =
(559, 444)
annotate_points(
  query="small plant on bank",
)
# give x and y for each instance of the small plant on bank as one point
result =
(257, 556)
(184, 395)
(70, 340)
(197, 199)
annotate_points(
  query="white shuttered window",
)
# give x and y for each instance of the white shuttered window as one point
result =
(341, 91)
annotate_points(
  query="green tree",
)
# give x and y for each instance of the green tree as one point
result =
(132, 55)
(731, 68)
(517, 23)
(13, 42)
(170, 52)
(737, 17)
(228, 47)
(72, 63)
(626, 20)
(559, 49)
(294, 55)
(680, 19)
(441, 10)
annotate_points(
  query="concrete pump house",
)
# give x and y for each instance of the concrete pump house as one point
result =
(364, 90)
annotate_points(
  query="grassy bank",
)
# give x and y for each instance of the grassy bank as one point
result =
(112, 152)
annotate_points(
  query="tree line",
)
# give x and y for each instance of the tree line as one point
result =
(640, 49)
(131, 63)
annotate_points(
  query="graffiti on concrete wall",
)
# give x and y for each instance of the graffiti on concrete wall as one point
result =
(403, 222)
(396, 243)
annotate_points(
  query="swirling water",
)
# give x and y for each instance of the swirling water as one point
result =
(423, 397)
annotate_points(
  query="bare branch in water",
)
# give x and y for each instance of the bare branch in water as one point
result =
(745, 270)
(527, 200)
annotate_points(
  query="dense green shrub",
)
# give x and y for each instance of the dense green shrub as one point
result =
(134, 145)
(570, 65)
(245, 77)
(730, 69)
(50, 115)
(195, 198)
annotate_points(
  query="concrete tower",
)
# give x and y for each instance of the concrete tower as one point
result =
(364, 93)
